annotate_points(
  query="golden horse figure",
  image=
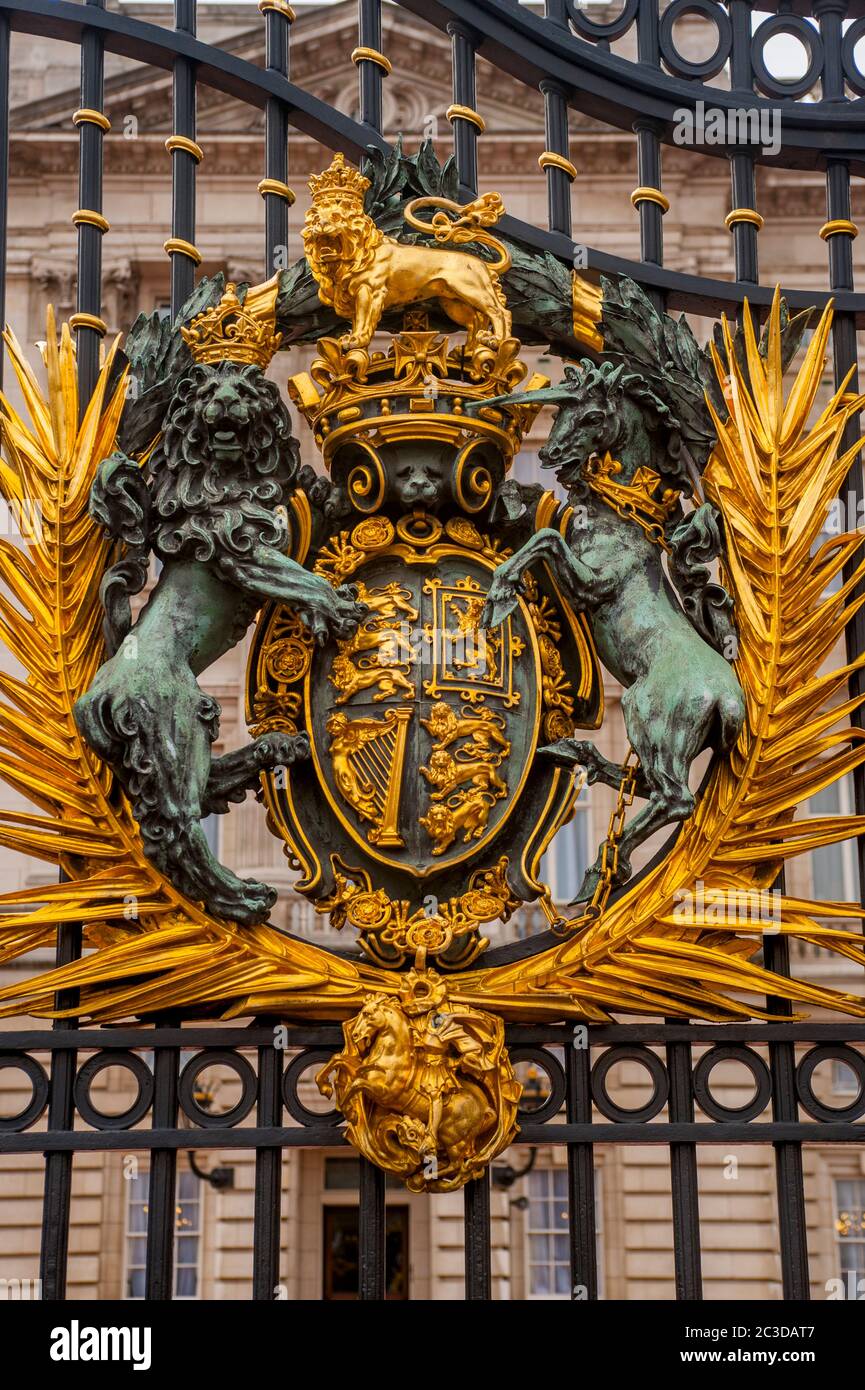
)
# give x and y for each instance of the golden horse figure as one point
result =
(426, 1087)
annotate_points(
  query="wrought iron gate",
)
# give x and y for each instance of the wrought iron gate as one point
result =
(566, 53)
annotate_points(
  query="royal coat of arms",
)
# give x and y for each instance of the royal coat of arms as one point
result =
(428, 637)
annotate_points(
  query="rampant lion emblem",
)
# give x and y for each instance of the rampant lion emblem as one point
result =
(210, 504)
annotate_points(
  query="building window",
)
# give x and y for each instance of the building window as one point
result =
(850, 1229)
(845, 1082)
(572, 851)
(187, 1235)
(549, 1264)
(833, 867)
(341, 1269)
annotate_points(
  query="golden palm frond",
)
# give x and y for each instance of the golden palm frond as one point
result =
(53, 629)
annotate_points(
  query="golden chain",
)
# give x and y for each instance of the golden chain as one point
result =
(609, 851)
(653, 529)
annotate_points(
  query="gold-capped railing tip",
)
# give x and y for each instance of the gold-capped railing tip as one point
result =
(86, 115)
(644, 194)
(466, 113)
(279, 7)
(175, 245)
(182, 142)
(839, 226)
(277, 187)
(88, 321)
(88, 218)
(749, 215)
(372, 55)
(550, 160)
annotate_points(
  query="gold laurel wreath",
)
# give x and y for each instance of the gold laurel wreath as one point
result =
(652, 951)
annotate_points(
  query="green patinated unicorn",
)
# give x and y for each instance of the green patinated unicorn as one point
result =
(621, 453)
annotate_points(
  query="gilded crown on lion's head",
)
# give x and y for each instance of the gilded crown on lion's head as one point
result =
(340, 182)
(231, 332)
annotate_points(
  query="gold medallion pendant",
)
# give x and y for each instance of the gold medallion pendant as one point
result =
(424, 671)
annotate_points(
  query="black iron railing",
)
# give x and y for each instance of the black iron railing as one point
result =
(576, 1106)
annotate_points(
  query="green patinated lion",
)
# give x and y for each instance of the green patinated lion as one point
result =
(210, 504)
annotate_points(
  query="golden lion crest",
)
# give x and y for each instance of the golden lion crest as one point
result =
(423, 1078)
(362, 273)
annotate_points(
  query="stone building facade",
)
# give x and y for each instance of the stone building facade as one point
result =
(319, 1214)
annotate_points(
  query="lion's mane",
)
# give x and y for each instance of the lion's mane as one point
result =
(359, 237)
(187, 504)
(200, 506)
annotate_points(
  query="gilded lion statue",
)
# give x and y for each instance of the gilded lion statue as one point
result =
(361, 273)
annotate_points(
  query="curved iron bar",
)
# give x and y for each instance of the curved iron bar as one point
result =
(509, 44)
(618, 91)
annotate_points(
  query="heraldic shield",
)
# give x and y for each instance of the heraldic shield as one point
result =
(423, 801)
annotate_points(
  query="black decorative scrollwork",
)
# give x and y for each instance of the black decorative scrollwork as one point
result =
(312, 1057)
(675, 61)
(808, 36)
(805, 1071)
(610, 29)
(755, 1065)
(653, 1065)
(211, 1119)
(553, 1070)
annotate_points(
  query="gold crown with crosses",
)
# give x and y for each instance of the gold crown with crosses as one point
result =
(234, 331)
(340, 181)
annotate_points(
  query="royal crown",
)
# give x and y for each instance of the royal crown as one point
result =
(422, 387)
(231, 331)
(340, 181)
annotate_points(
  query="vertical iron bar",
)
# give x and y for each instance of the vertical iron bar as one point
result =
(268, 1180)
(830, 14)
(651, 211)
(57, 1190)
(276, 201)
(90, 137)
(556, 11)
(742, 180)
(370, 73)
(683, 1176)
(371, 1233)
(789, 1176)
(4, 174)
(844, 355)
(466, 126)
(183, 165)
(479, 1274)
(581, 1177)
(558, 179)
(159, 1276)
